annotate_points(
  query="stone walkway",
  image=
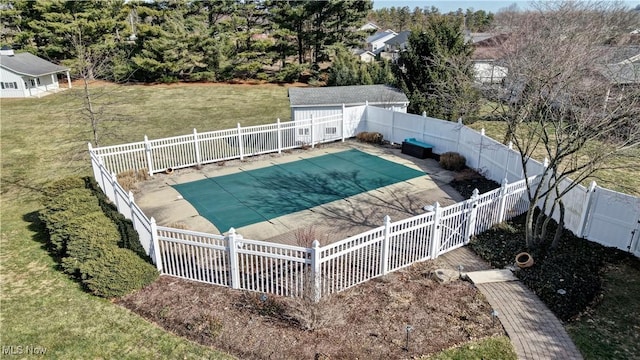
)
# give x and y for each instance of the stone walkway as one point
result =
(534, 330)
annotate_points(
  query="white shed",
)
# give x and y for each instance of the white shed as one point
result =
(327, 103)
(26, 75)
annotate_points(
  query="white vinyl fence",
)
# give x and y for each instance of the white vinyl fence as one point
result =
(232, 261)
(598, 214)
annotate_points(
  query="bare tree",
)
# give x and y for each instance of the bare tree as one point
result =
(558, 99)
(92, 63)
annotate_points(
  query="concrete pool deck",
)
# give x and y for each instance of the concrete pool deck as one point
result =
(328, 222)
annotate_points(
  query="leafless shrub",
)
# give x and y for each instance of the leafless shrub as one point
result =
(305, 236)
(130, 178)
(312, 315)
(452, 161)
(370, 137)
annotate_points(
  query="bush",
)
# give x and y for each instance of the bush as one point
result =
(62, 209)
(59, 186)
(203, 76)
(85, 231)
(291, 73)
(452, 161)
(370, 137)
(129, 238)
(88, 237)
(116, 273)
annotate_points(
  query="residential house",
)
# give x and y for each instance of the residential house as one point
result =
(622, 71)
(26, 75)
(369, 27)
(486, 57)
(395, 45)
(376, 42)
(365, 55)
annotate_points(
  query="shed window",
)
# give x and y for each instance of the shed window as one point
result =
(303, 131)
(330, 130)
(9, 85)
(35, 81)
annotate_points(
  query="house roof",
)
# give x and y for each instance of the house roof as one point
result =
(618, 54)
(380, 35)
(401, 38)
(29, 65)
(348, 95)
(622, 73)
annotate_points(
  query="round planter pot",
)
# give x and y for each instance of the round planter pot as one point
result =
(169, 171)
(524, 260)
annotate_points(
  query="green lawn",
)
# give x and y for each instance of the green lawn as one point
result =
(612, 329)
(43, 139)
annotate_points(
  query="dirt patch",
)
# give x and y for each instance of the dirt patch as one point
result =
(366, 321)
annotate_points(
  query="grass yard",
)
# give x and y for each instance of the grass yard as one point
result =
(624, 177)
(43, 139)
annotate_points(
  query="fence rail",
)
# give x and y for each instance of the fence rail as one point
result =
(316, 271)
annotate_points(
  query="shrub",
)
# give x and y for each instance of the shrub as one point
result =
(370, 137)
(116, 273)
(62, 209)
(129, 238)
(203, 76)
(291, 72)
(452, 161)
(59, 186)
(88, 237)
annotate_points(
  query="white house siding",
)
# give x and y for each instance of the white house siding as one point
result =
(17, 86)
(488, 73)
(12, 85)
(303, 115)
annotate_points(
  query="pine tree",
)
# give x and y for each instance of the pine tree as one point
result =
(436, 71)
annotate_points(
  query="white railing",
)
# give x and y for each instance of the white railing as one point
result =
(319, 271)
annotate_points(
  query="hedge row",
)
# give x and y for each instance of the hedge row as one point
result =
(95, 246)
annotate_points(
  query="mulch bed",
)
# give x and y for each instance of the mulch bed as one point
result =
(366, 321)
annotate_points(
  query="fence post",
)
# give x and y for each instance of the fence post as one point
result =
(471, 224)
(147, 150)
(240, 145)
(480, 149)
(460, 125)
(344, 120)
(133, 216)
(316, 271)
(196, 143)
(435, 234)
(311, 132)
(279, 127)
(386, 245)
(114, 182)
(234, 244)
(586, 210)
(506, 167)
(155, 243)
(102, 183)
(503, 201)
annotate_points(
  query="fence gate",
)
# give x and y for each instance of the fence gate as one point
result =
(614, 220)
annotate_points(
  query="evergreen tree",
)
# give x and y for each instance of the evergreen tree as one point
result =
(436, 71)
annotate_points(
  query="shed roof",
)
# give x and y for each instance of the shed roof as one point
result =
(29, 64)
(348, 95)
